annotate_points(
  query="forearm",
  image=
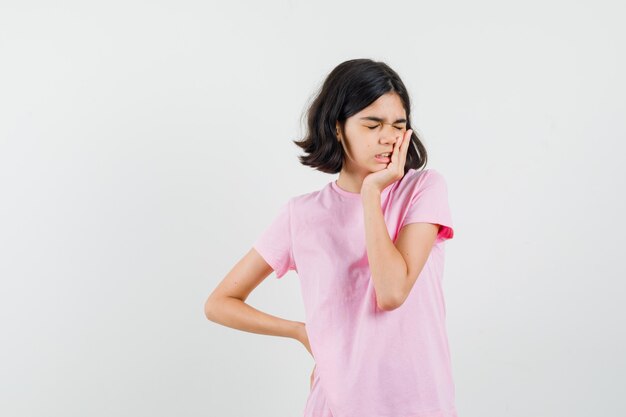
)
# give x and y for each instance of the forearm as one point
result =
(388, 268)
(235, 313)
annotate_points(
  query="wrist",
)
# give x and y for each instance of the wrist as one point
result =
(369, 191)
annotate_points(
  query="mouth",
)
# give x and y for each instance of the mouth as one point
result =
(383, 158)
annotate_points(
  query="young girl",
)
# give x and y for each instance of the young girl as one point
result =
(368, 249)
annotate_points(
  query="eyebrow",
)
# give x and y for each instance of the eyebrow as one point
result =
(378, 119)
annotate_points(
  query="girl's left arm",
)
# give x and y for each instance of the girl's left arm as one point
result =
(394, 269)
(387, 265)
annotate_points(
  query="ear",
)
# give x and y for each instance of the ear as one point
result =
(338, 130)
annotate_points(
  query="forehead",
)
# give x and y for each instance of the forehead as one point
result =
(387, 108)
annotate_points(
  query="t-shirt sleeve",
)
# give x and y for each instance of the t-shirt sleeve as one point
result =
(429, 203)
(275, 242)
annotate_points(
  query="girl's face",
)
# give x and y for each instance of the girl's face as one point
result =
(372, 131)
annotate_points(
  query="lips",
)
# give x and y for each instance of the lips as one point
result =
(384, 155)
(382, 159)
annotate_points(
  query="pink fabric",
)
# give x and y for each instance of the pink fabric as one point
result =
(369, 362)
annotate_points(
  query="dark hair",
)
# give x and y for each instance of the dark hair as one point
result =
(350, 87)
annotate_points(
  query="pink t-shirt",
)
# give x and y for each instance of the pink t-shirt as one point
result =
(369, 362)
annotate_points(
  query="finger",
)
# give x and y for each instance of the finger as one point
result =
(401, 143)
(406, 140)
(395, 152)
(396, 156)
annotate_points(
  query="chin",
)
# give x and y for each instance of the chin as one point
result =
(373, 167)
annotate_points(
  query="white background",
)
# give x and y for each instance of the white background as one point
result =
(145, 145)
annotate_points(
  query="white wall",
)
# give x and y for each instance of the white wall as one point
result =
(145, 145)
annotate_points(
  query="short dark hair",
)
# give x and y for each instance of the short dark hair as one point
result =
(350, 87)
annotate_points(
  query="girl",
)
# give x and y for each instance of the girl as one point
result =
(368, 249)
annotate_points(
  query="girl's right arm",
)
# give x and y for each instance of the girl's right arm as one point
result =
(226, 304)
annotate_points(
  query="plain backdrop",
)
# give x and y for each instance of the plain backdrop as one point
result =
(145, 145)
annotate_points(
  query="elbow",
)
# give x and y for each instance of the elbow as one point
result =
(394, 297)
(389, 304)
(391, 301)
(209, 309)
(384, 306)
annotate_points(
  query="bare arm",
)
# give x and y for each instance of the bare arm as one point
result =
(386, 263)
(394, 269)
(226, 304)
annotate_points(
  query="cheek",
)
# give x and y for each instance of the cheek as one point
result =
(367, 151)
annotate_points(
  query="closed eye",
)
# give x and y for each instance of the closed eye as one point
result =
(374, 127)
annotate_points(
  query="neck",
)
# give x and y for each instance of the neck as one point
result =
(351, 181)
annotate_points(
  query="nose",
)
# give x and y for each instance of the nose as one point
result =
(389, 135)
